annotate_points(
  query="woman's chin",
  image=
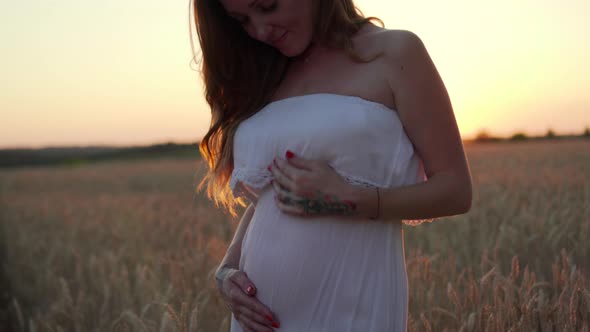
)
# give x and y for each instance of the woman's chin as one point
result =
(290, 52)
(287, 53)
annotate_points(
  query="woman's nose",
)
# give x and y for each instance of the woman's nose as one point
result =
(262, 32)
(261, 29)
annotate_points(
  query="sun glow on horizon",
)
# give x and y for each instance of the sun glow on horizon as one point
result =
(120, 73)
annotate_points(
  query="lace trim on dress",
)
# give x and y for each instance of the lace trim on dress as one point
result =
(258, 178)
(253, 177)
(369, 184)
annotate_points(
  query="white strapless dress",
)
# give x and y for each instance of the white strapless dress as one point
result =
(326, 274)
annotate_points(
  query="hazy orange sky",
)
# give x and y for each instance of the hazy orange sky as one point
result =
(119, 72)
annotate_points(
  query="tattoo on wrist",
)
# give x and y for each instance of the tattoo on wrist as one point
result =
(322, 204)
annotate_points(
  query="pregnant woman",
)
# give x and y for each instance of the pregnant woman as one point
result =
(332, 132)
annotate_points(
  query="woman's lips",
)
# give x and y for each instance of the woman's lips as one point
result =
(278, 41)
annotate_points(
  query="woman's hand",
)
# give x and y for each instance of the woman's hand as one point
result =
(238, 292)
(310, 188)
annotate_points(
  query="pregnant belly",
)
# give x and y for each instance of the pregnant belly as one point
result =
(302, 264)
(285, 255)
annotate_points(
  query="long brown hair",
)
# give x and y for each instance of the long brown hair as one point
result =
(240, 75)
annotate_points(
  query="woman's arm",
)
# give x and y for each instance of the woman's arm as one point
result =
(232, 256)
(425, 109)
(442, 195)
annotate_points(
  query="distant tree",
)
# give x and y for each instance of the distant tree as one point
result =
(519, 137)
(587, 132)
(482, 136)
(550, 134)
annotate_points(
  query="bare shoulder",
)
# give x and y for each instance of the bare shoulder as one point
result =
(394, 43)
(399, 40)
(403, 57)
(401, 49)
(406, 59)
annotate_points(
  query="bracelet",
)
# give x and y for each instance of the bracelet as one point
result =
(222, 272)
(378, 205)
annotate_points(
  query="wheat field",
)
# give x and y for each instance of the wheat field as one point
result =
(130, 246)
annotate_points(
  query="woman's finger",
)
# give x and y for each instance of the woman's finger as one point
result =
(255, 309)
(244, 325)
(238, 286)
(285, 196)
(252, 324)
(247, 311)
(299, 162)
(291, 171)
(288, 206)
(241, 279)
(281, 177)
(280, 189)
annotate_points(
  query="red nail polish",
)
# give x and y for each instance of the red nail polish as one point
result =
(269, 318)
(289, 154)
(275, 324)
(268, 167)
(250, 290)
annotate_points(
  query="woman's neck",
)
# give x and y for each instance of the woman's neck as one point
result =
(311, 52)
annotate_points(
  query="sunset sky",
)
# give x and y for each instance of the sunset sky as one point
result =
(115, 72)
